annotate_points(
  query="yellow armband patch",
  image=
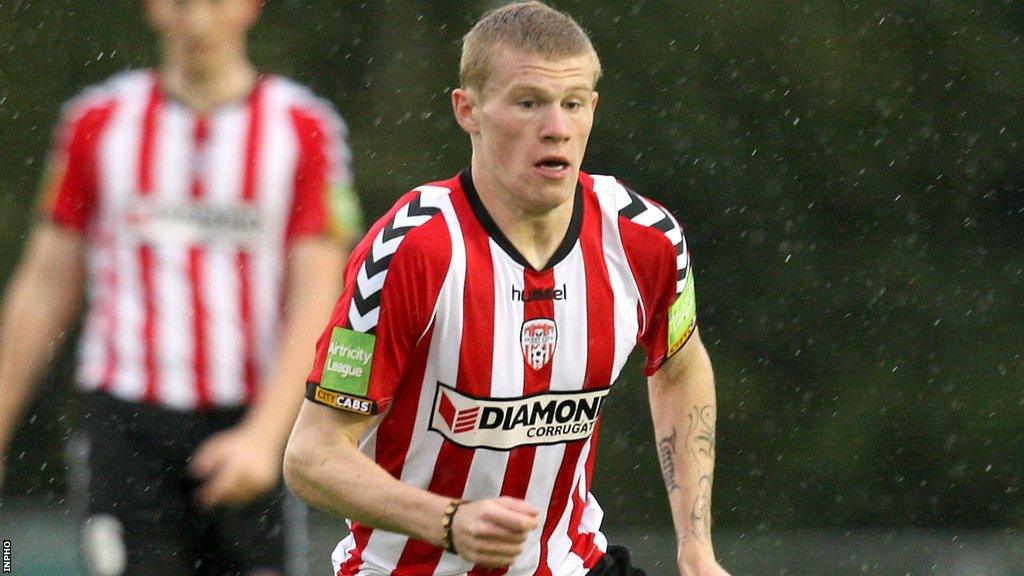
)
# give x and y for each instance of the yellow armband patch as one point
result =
(53, 175)
(346, 214)
(682, 317)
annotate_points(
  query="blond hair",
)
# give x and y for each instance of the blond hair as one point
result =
(530, 27)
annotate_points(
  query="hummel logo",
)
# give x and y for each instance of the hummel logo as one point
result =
(457, 420)
(538, 294)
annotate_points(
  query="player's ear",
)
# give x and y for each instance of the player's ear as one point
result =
(593, 100)
(464, 105)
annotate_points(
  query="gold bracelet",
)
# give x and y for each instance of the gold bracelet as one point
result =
(447, 541)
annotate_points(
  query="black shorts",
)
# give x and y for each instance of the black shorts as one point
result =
(141, 512)
(615, 562)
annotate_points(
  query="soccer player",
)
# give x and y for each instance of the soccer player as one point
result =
(205, 210)
(454, 408)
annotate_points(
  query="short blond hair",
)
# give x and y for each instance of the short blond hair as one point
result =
(531, 27)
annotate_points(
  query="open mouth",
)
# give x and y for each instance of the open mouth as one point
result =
(554, 163)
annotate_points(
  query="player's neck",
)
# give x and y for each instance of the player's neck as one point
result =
(205, 88)
(537, 236)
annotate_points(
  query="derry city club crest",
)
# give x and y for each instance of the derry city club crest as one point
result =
(538, 339)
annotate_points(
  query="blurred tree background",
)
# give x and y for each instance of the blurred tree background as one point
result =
(850, 176)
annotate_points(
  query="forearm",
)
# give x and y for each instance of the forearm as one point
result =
(684, 414)
(315, 282)
(274, 411)
(327, 470)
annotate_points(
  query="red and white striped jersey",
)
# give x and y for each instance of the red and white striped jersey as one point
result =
(187, 219)
(489, 375)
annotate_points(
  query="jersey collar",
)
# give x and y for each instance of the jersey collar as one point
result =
(568, 242)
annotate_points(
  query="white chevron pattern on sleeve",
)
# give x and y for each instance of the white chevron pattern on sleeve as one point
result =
(642, 211)
(364, 311)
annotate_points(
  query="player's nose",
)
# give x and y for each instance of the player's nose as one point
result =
(555, 124)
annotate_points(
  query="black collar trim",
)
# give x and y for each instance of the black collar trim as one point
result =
(568, 242)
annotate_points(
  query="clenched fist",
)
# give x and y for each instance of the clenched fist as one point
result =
(491, 532)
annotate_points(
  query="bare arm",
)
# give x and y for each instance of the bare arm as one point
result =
(39, 304)
(315, 281)
(323, 465)
(244, 462)
(682, 396)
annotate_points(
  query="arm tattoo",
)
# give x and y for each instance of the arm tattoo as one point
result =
(700, 438)
(667, 455)
(700, 516)
(700, 443)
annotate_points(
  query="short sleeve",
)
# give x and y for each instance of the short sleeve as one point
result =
(69, 191)
(324, 201)
(391, 287)
(661, 264)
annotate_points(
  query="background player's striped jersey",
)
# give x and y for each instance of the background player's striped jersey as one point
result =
(187, 219)
(490, 375)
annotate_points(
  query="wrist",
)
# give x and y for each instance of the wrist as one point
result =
(448, 526)
(693, 553)
(423, 519)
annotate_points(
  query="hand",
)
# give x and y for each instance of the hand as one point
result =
(491, 532)
(235, 466)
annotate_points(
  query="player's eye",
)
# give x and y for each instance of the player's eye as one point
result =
(527, 104)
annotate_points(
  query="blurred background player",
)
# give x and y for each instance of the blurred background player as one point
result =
(203, 209)
(454, 407)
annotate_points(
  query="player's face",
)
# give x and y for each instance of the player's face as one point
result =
(532, 122)
(198, 33)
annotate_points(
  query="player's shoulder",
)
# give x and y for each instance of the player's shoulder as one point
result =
(650, 234)
(308, 112)
(633, 209)
(117, 88)
(412, 232)
(420, 217)
(299, 97)
(415, 221)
